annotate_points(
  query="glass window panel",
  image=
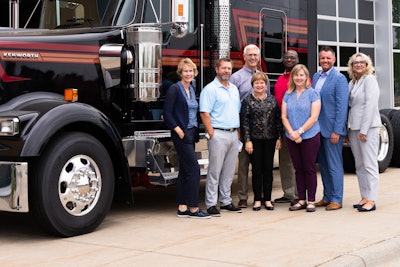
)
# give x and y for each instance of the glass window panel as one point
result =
(347, 9)
(369, 52)
(347, 32)
(326, 7)
(366, 33)
(346, 74)
(272, 50)
(396, 11)
(273, 37)
(396, 37)
(365, 10)
(326, 30)
(345, 54)
(396, 61)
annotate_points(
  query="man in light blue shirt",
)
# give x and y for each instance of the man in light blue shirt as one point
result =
(219, 111)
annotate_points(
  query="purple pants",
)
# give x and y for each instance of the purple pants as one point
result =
(304, 157)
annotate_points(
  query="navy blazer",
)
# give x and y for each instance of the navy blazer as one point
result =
(334, 103)
(176, 111)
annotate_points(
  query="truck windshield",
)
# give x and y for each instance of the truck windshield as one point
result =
(61, 14)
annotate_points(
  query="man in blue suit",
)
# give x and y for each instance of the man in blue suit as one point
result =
(334, 93)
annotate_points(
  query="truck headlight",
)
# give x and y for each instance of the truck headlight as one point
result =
(9, 126)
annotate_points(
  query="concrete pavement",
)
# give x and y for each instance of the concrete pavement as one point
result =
(149, 234)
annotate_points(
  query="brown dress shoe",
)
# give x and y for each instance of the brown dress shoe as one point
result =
(242, 203)
(322, 203)
(333, 206)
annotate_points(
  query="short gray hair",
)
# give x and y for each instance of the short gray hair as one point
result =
(250, 46)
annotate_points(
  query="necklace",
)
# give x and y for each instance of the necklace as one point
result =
(187, 92)
(264, 96)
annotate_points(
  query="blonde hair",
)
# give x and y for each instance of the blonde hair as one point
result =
(369, 70)
(186, 62)
(296, 70)
(259, 76)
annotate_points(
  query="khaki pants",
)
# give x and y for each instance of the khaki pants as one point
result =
(286, 170)
(243, 174)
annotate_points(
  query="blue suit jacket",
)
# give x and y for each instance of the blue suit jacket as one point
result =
(334, 103)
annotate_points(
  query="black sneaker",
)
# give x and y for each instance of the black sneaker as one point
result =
(213, 211)
(182, 214)
(282, 200)
(199, 214)
(231, 207)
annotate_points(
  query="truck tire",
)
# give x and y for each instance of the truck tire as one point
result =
(348, 160)
(73, 185)
(388, 112)
(386, 145)
(395, 121)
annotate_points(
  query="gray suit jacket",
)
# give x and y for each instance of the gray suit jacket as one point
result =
(363, 103)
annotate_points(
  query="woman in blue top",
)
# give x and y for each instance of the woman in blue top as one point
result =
(300, 110)
(180, 115)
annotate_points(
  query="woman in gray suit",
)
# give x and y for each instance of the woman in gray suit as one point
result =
(364, 123)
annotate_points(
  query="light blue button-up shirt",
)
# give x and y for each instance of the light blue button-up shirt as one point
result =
(222, 104)
(321, 80)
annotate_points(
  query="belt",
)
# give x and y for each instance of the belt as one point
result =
(226, 130)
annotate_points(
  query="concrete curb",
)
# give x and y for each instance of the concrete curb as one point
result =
(385, 253)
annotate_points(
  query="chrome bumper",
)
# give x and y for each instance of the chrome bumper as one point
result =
(14, 186)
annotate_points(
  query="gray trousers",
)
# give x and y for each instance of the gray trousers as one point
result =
(286, 170)
(365, 157)
(223, 151)
(243, 174)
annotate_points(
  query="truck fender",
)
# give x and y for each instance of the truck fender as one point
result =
(84, 118)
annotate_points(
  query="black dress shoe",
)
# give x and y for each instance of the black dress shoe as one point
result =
(257, 208)
(282, 200)
(213, 211)
(358, 205)
(269, 207)
(231, 207)
(361, 209)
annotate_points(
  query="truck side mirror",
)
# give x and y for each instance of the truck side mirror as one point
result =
(180, 18)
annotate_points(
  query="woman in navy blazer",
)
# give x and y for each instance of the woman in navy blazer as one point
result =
(364, 122)
(180, 115)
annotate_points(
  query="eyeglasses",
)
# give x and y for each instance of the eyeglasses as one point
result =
(290, 57)
(358, 63)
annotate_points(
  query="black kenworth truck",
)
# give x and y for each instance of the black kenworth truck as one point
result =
(80, 106)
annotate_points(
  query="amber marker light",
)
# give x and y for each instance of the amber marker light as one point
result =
(180, 9)
(71, 94)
